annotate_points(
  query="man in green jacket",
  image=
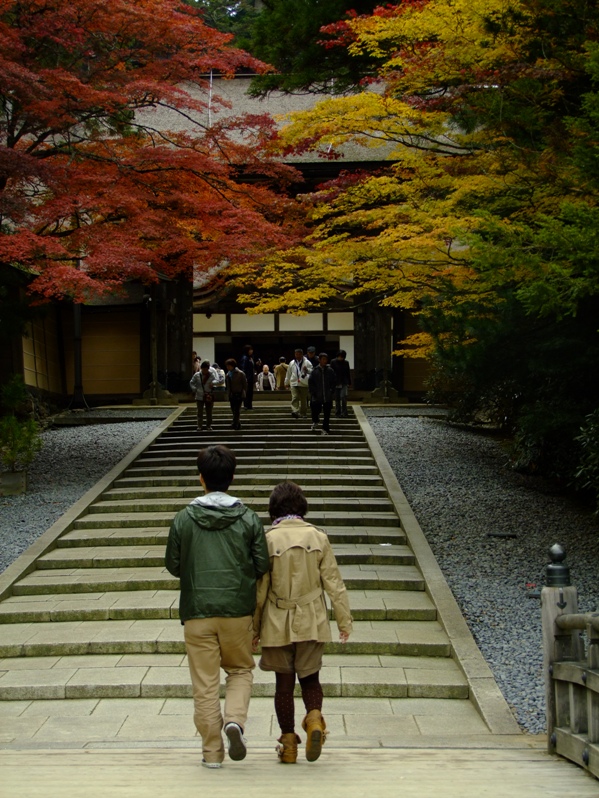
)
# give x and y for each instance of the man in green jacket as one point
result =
(217, 547)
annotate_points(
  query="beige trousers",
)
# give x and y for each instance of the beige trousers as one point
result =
(212, 644)
(299, 399)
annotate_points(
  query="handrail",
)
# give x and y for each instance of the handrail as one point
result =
(568, 623)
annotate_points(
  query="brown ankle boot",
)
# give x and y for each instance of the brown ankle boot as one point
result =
(287, 750)
(315, 727)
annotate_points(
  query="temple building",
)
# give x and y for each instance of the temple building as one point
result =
(146, 335)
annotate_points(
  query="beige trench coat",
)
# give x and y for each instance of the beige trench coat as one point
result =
(290, 603)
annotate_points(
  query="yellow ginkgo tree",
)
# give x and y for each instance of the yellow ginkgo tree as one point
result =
(483, 221)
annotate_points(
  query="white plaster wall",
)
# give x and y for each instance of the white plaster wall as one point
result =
(340, 321)
(242, 322)
(216, 323)
(347, 342)
(205, 348)
(311, 323)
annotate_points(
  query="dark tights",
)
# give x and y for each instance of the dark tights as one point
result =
(284, 706)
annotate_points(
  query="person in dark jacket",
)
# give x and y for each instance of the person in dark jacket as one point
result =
(236, 385)
(341, 368)
(247, 365)
(217, 548)
(321, 385)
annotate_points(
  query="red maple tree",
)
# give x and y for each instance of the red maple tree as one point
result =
(93, 191)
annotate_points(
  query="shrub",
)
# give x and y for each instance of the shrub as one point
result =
(587, 476)
(20, 441)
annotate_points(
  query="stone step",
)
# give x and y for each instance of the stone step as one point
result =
(145, 504)
(140, 536)
(167, 676)
(260, 471)
(165, 636)
(303, 455)
(367, 605)
(326, 519)
(148, 556)
(346, 493)
(88, 580)
(308, 482)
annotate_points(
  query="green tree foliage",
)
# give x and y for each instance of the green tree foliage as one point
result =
(287, 34)
(234, 17)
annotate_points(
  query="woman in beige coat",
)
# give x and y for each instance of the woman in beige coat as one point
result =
(291, 620)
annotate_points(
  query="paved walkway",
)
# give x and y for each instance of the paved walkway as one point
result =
(91, 651)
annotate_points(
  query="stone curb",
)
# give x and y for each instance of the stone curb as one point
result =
(484, 692)
(24, 564)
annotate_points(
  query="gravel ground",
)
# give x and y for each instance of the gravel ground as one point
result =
(461, 489)
(71, 461)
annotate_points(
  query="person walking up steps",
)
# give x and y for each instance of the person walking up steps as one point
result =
(216, 546)
(202, 384)
(297, 379)
(341, 368)
(321, 386)
(246, 364)
(291, 619)
(280, 373)
(236, 385)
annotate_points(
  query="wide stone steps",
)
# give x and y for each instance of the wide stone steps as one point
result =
(141, 556)
(367, 605)
(145, 504)
(259, 472)
(326, 519)
(98, 617)
(86, 580)
(164, 636)
(140, 536)
(328, 495)
(167, 676)
(257, 482)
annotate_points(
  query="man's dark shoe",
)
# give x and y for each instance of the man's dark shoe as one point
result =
(237, 746)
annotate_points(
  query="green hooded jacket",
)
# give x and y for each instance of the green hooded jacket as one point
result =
(218, 552)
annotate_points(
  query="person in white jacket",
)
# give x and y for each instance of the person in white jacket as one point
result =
(202, 384)
(297, 379)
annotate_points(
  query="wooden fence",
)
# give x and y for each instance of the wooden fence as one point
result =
(571, 668)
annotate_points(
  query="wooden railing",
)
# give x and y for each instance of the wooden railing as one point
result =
(571, 667)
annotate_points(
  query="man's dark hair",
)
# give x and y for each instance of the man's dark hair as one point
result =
(217, 464)
(299, 350)
(342, 353)
(287, 498)
(231, 362)
(205, 364)
(281, 360)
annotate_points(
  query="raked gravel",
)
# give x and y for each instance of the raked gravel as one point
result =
(461, 489)
(71, 461)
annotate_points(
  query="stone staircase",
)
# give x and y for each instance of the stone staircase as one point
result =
(98, 617)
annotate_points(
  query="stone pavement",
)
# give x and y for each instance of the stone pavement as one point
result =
(91, 648)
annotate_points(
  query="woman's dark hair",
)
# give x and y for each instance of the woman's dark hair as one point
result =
(217, 464)
(287, 498)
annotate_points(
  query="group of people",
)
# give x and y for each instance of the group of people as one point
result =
(241, 588)
(311, 379)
